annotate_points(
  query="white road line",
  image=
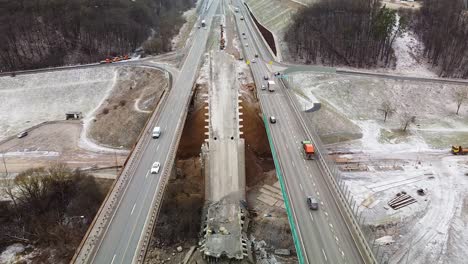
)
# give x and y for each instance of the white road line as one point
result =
(113, 259)
(318, 194)
(300, 185)
(157, 148)
(147, 174)
(311, 217)
(133, 209)
(312, 182)
(293, 164)
(331, 226)
(325, 255)
(325, 213)
(287, 146)
(336, 238)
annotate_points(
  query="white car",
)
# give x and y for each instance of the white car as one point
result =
(246, 44)
(254, 60)
(155, 168)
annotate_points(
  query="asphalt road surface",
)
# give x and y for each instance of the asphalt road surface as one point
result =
(323, 235)
(126, 227)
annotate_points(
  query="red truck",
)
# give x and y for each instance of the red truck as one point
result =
(309, 150)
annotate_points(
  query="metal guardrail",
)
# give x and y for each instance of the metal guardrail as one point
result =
(283, 191)
(158, 198)
(344, 200)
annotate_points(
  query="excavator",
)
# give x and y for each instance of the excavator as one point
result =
(459, 150)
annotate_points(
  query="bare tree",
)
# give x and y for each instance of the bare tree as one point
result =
(460, 96)
(406, 120)
(387, 109)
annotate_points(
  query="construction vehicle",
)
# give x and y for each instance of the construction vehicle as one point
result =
(203, 23)
(459, 150)
(309, 150)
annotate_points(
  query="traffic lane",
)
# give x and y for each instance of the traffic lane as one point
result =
(303, 178)
(145, 196)
(122, 223)
(314, 229)
(309, 233)
(130, 199)
(113, 233)
(340, 234)
(346, 242)
(248, 23)
(329, 252)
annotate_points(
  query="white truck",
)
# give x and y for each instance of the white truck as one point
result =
(271, 86)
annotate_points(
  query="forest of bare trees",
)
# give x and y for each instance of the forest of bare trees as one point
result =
(443, 28)
(356, 33)
(49, 208)
(41, 33)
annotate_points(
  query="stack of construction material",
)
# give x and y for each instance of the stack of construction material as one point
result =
(401, 200)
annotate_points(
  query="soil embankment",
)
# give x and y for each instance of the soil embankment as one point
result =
(120, 118)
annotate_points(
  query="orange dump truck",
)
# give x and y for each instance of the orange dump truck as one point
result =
(459, 150)
(309, 150)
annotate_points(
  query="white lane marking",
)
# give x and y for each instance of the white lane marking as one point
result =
(336, 238)
(311, 217)
(287, 146)
(113, 259)
(300, 185)
(293, 164)
(321, 203)
(318, 194)
(147, 174)
(325, 213)
(157, 148)
(325, 255)
(342, 253)
(133, 209)
(312, 182)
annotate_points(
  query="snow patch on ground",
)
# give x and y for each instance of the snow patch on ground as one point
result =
(409, 53)
(30, 99)
(30, 154)
(17, 253)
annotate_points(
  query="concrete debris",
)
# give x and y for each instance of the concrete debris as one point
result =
(283, 252)
(179, 249)
(385, 240)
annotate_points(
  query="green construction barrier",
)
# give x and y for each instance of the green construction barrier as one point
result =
(283, 191)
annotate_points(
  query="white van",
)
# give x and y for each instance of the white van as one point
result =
(156, 132)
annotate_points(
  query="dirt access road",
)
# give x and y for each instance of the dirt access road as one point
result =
(55, 142)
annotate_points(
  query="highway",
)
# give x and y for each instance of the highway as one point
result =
(119, 236)
(323, 235)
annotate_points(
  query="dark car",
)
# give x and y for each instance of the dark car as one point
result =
(312, 203)
(272, 119)
(265, 77)
(256, 55)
